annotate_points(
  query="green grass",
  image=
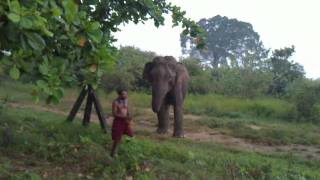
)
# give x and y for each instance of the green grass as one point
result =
(44, 145)
(209, 105)
(217, 105)
(15, 91)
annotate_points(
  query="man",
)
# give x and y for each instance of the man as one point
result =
(121, 122)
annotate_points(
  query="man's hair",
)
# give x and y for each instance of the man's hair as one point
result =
(119, 91)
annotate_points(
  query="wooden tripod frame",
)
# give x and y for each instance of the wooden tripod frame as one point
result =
(92, 99)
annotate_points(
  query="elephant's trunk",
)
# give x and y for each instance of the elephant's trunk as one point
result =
(155, 106)
(158, 95)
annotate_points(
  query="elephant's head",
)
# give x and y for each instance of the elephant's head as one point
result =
(161, 73)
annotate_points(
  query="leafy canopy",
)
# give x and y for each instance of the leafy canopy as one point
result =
(229, 42)
(284, 70)
(62, 42)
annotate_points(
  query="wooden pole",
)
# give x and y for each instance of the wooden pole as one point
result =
(98, 107)
(77, 104)
(88, 109)
(92, 99)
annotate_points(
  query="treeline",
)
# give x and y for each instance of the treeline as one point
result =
(277, 77)
(271, 77)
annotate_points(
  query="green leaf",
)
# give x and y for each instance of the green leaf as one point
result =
(43, 68)
(54, 100)
(93, 26)
(41, 84)
(36, 41)
(185, 32)
(47, 32)
(96, 36)
(23, 42)
(76, 21)
(14, 6)
(58, 93)
(71, 9)
(56, 12)
(14, 73)
(82, 14)
(26, 22)
(14, 17)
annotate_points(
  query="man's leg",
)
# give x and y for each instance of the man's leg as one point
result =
(128, 130)
(116, 136)
(114, 147)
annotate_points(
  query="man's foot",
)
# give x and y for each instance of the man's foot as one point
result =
(113, 155)
(109, 160)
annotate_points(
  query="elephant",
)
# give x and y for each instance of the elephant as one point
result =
(169, 81)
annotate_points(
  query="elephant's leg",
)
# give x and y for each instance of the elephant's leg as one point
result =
(178, 121)
(163, 119)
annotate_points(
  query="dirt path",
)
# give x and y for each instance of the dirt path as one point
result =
(146, 123)
(307, 152)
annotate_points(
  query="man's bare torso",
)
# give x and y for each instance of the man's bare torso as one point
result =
(121, 107)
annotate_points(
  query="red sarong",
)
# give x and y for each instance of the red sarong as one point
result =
(119, 127)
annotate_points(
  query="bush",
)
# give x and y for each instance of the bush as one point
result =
(115, 80)
(260, 110)
(306, 105)
(197, 84)
(128, 70)
(305, 94)
(240, 82)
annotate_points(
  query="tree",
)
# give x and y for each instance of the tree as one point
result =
(200, 80)
(229, 42)
(128, 69)
(193, 66)
(61, 42)
(283, 70)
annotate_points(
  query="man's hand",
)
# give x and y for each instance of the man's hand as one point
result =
(129, 118)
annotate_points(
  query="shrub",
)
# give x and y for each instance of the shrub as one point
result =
(305, 98)
(260, 110)
(115, 80)
(306, 106)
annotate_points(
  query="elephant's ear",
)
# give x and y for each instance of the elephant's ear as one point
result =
(146, 71)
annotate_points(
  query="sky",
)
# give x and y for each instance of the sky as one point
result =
(280, 23)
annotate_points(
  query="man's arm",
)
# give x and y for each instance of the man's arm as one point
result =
(128, 111)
